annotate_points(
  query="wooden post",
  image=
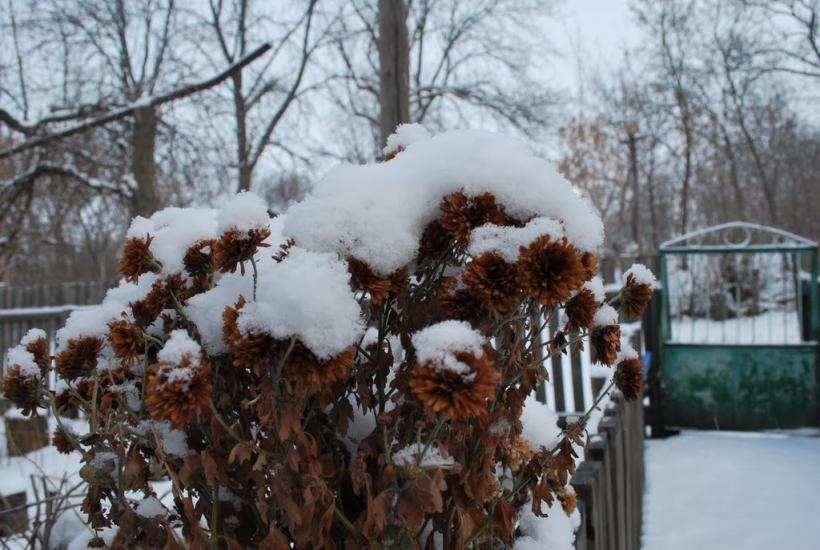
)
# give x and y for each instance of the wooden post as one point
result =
(394, 60)
(24, 435)
(13, 514)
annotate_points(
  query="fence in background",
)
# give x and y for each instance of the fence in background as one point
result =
(610, 481)
(42, 306)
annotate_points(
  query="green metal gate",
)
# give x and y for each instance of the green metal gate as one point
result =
(739, 325)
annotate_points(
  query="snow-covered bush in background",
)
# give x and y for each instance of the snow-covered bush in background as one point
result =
(353, 373)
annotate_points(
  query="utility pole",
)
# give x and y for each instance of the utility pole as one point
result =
(394, 61)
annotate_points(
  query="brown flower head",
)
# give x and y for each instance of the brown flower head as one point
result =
(146, 311)
(230, 328)
(284, 250)
(393, 152)
(137, 258)
(21, 388)
(495, 281)
(79, 358)
(461, 214)
(178, 390)
(62, 442)
(254, 351)
(198, 262)
(558, 342)
(550, 270)
(569, 500)
(435, 242)
(380, 287)
(580, 310)
(516, 451)
(36, 344)
(198, 258)
(635, 296)
(303, 367)
(605, 343)
(125, 339)
(458, 395)
(629, 376)
(462, 304)
(590, 263)
(236, 247)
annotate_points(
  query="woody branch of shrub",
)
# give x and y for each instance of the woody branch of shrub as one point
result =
(257, 439)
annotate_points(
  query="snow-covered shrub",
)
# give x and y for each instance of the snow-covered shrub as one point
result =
(352, 373)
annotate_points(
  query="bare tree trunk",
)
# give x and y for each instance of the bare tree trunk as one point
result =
(632, 177)
(394, 59)
(145, 200)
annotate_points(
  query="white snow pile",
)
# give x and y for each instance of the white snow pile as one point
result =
(377, 212)
(307, 295)
(596, 286)
(627, 352)
(32, 336)
(178, 345)
(150, 507)
(24, 360)
(174, 230)
(507, 241)
(641, 274)
(243, 212)
(404, 135)
(432, 458)
(438, 343)
(605, 316)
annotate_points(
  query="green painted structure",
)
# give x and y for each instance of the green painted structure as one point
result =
(753, 365)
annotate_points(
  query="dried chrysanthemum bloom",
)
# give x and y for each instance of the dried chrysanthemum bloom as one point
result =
(461, 214)
(462, 304)
(36, 344)
(137, 258)
(178, 390)
(230, 328)
(629, 374)
(125, 339)
(303, 367)
(62, 442)
(435, 242)
(146, 311)
(637, 291)
(605, 337)
(516, 451)
(235, 247)
(580, 310)
(590, 263)
(79, 358)
(379, 287)
(569, 500)
(550, 270)
(559, 342)
(254, 351)
(458, 395)
(198, 258)
(495, 282)
(21, 388)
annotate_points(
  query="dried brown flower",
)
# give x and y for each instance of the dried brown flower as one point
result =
(461, 214)
(62, 442)
(96, 542)
(303, 367)
(380, 287)
(198, 258)
(137, 258)
(590, 263)
(629, 378)
(451, 393)
(516, 451)
(461, 304)
(569, 500)
(580, 310)
(23, 391)
(550, 270)
(236, 247)
(79, 358)
(392, 154)
(558, 342)
(605, 343)
(284, 250)
(39, 349)
(435, 242)
(145, 311)
(230, 329)
(635, 297)
(254, 351)
(125, 339)
(178, 391)
(495, 282)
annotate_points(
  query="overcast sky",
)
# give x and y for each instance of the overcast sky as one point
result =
(599, 29)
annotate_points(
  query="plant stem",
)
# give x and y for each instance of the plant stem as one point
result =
(430, 440)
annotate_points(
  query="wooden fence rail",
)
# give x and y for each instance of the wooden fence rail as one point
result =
(610, 481)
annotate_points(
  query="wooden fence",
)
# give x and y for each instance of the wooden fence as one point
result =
(42, 306)
(610, 481)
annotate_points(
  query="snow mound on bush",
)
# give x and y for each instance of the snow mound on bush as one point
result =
(377, 212)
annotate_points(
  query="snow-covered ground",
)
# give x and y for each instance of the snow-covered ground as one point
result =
(733, 491)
